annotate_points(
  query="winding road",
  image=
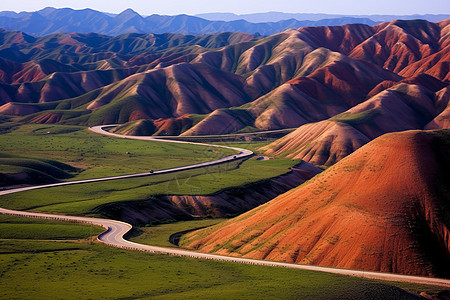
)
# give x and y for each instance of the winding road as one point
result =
(115, 230)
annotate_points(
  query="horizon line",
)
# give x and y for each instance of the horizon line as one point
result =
(229, 12)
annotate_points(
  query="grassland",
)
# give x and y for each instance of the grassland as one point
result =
(81, 199)
(357, 118)
(35, 269)
(105, 156)
(90, 271)
(101, 156)
(159, 235)
(10, 162)
(12, 227)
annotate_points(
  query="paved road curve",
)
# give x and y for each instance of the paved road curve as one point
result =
(113, 236)
(115, 230)
(100, 129)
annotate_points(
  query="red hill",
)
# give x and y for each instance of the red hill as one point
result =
(383, 208)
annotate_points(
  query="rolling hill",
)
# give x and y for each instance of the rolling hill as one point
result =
(286, 80)
(401, 107)
(382, 208)
(16, 170)
(362, 98)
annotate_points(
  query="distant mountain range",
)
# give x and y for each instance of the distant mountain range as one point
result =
(51, 20)
(65, 20)
(274, 16)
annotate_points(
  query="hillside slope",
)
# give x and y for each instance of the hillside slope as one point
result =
(383, 208)
(401, 107)
(16, 170)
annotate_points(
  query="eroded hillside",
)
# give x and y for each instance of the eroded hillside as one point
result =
(383, 208)
(281, 81)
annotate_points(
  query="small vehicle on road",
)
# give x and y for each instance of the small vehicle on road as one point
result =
(151, 171)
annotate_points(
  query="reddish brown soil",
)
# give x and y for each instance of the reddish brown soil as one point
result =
(442, 120)
(402, 107)
(18, 109)
(383, 208)
(284, 80)
(173, 126)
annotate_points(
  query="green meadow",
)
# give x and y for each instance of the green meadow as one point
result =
(106, 156)
(42, 269)
(81, 199)
(159, 235)
(96, 155)
(12, 227)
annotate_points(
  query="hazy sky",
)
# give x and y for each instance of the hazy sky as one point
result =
(172, 7)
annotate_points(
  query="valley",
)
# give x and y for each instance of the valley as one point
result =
(114, 236)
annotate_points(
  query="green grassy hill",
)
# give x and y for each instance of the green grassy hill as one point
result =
(19, 170)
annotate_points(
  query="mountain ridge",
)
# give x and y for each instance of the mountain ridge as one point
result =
(274, 16)
(65, 20)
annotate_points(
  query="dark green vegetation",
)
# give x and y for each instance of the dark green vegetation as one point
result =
(85, 271)
(17, 169)
(98, 155)
(159, 235)
(83, 198)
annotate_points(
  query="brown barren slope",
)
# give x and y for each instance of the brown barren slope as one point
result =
(321, 143)
(335, 83)
(397, 44)
(401, 107)
(442, 120)
(438, 64)
(384, 208)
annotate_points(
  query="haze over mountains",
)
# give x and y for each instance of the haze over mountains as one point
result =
(275, 16)
(65, 20)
